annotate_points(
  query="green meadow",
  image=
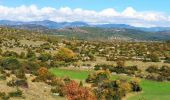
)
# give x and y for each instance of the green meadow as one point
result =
(152, 90)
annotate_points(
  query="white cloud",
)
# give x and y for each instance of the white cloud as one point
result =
(108, 13)
(128, 16)
(129, 12)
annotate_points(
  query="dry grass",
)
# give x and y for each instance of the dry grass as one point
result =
(36, 91)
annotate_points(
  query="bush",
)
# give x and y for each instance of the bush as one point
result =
(22, 55)
(20, 74)
(44, 57)
(58, 64)
(10, 54)
(44, 75)
(135, 85)
(152, 69)
(112, 90)
(59, 90)
(98, 76)
(120, 63)
(10, 63)
(30, 67)
(167, 60)
(103, 66)
(46, 46)
(65, 54)
(154, 57)
(4, 96)
(21, 83)
(2, 77)
(74, 92)
(17, 93)
(30, 54)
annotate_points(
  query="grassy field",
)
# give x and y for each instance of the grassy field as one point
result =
(73, 74)
(151, 90)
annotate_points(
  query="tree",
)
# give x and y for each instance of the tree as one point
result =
(65, 54)
(44, 74)
(42, 71)
(98, 76)
(74, 92)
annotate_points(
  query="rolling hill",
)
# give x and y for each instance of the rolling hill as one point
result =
(82, 30)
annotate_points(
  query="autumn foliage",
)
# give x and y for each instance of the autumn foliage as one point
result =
(75, 92)
(65, 54)
(44, 74)
(42, 71)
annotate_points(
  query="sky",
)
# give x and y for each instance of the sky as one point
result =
(147, 13)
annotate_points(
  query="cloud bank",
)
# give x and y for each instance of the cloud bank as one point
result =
(127, 16)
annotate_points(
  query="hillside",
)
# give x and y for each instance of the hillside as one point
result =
(92, 33)
(86, 33)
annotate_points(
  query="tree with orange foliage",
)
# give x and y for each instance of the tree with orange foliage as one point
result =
(65, 54)
(44, 74)
(42, 71)
(75, 92)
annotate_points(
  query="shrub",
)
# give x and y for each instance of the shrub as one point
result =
(21, 83)
(44, 57)
(22, 55)
(46, 46)
(112, 90)
(30, 67)
(17, 93)
(98, 76)
(42, 71)
(44, 75)
(154, 57)
(135, 85)
(58, 64)
(10, 63)
(10, 54)
(4, 96)
(58, 89)
(20, 73)
(2, 77)
(30, 54)
(152, 69)
(167, 60)
(120, 62)
(65, 54)
(74, 92)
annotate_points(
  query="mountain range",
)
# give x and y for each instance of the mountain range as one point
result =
(82, 30)
(56, 25)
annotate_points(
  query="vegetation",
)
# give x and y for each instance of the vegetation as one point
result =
(78, 69)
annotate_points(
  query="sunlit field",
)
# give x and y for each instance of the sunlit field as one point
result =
(151, 89)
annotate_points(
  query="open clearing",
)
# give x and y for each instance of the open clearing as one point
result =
(152, 90)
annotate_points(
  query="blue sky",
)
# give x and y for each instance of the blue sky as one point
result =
(133, 12)
(140, 5)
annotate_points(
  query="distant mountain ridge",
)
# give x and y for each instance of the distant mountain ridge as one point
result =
(45, 23)
(82, 30)
(56, 25)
